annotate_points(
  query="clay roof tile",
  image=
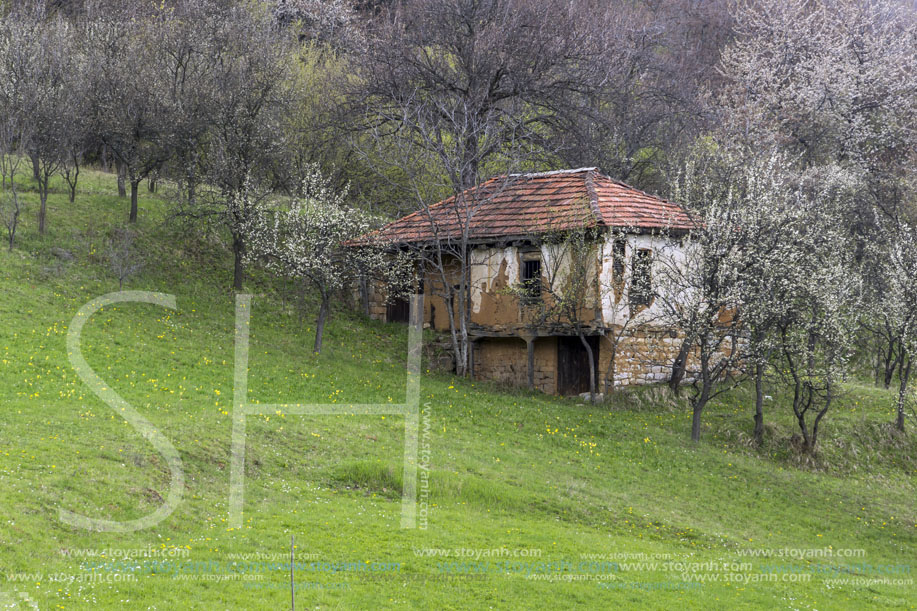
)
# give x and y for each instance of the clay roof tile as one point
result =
(528, 204)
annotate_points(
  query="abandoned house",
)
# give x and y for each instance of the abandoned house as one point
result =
(508, 228)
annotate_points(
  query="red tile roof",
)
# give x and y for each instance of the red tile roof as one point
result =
(519, 205)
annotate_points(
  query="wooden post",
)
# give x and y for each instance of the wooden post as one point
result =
(472, 342)
(530, 348)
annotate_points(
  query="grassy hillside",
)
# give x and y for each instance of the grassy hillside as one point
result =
(561, 504)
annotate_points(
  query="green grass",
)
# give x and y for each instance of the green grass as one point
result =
(508, 470)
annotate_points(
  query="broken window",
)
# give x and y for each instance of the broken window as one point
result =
(641, 286)
(531, 281)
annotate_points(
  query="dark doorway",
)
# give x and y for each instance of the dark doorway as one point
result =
(573, 365)
(398, 310)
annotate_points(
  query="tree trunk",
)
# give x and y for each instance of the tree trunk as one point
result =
(151, 184)
(42, 213)
(759, 403)
(464, 314)
(72, 175)
(806, 443)
(191, 179)
(36, 166)
(829, 396)
(43, 183)
(135, 187)
(695, 423)
(320, 323)
(13, 222)
(879, 354)
(679, 366)
(890, 374)
(892, 359)
(453, 332)
(238, 252)
(904, 373)
(700, 402)
(122, 189)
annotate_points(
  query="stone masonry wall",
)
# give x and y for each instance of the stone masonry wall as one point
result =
(505, 360)
(644, 356)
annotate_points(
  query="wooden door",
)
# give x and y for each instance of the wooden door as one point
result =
(398, 310)
(573, 365)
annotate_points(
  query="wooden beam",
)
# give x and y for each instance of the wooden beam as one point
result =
(530, 348)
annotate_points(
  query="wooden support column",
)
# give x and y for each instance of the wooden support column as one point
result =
(530, 347)
(472, 342)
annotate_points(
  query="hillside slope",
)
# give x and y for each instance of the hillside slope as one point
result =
(535, 501)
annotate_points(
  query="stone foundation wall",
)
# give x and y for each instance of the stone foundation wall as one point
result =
(646, 355)
(643, 356)
(377, 300)
(505, 360)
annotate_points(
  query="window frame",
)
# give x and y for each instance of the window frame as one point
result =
(641, 273)
(618, 260)
(531, 280)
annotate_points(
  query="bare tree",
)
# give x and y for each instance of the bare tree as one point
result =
(191, 41)
(131, 109)
(458, 89)
(123, 257)
(36, 71)
(10, 159)
(11, 142)
(660, 58)
(244, 141)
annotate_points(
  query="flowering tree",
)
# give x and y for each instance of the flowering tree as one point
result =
(698, 283)
(768, 272)
(830, 82)
(833, 80)
(750, 204)
(308, 241)
(894, 301)
(821, 300)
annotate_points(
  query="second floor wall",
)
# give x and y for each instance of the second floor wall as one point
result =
(622, 281)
